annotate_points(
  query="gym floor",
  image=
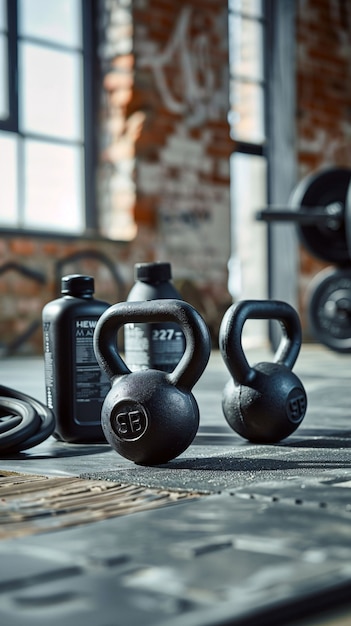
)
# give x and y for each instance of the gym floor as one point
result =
(227, 533)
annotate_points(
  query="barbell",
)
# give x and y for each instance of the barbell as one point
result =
(320, 206)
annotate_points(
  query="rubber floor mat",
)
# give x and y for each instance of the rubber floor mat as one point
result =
(31, 504)
(219, 560)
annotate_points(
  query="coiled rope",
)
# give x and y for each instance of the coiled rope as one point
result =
(24, 421)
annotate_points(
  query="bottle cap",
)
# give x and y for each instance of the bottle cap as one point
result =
(77, 285)
(153, 272)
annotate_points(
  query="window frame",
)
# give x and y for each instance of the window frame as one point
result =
(11, 124)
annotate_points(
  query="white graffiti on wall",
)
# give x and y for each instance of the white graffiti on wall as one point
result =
(201, 98)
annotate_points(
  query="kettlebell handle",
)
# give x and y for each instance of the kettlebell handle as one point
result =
(230, 335)
(197, 338)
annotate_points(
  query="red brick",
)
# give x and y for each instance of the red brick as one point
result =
(145, 212)
(22, 246)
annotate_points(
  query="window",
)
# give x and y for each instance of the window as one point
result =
(44, 147)
(246, 37)
(262, 119)
(247, 266)
(248, 163)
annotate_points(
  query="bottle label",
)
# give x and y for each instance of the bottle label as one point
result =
(91, 383)
(48, 365)
(156, 346)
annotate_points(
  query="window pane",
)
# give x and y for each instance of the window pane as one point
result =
(248, 7)
(56, 21)
(4, 100)
(50, 98)
(8, 179)
(53, 187)
(3, 16)
(248, 265)
(246, 116)
(246, 56)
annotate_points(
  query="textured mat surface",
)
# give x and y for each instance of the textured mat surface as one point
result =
(222, 559)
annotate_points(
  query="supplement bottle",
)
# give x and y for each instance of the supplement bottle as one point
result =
(75, 385)
(158, 345)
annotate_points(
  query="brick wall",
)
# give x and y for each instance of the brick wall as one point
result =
(163, 171)
(30, 273)
(323, 97)
(164, 158)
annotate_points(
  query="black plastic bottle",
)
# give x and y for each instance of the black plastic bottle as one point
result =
(153, 346)
(75, 385)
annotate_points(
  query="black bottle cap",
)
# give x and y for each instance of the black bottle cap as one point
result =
(77, 285)
(153, 272)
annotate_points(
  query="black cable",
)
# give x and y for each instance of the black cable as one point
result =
(24, 421)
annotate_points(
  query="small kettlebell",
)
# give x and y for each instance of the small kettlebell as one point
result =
(267, 402)
(151, 416)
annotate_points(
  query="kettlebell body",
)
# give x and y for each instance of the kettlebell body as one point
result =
(147, 419)
(267, 402)
(151, 416)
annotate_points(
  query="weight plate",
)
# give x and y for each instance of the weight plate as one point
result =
(329, 309)
(327, 188)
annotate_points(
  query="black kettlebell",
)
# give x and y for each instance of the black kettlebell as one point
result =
(267, 402)
(151, 416)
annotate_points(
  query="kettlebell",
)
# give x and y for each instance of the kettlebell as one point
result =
(151, 416)
(267, 402)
